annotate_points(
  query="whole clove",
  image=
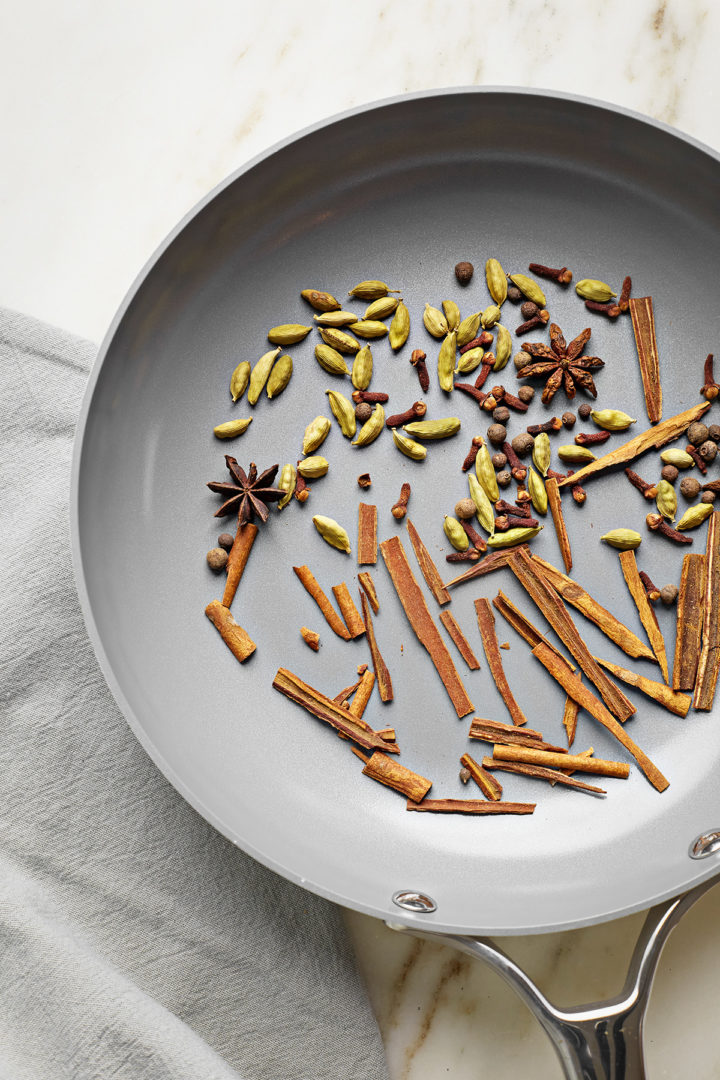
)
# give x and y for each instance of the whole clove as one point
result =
(554, 424)
(416, 411)
(591, 438)
(710, 389)
(472, 453)
(399, 510)
(417, 359)
(648, 490)
(658, 524)
(610, 309)
(518, 470)
(563, 276)
(528, 325)
(653, 593)
(373, 397)
(624, 298)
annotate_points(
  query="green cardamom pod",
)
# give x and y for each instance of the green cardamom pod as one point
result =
(362, 368)
(399, 327)
(456, 534)
(452, 314)
(435, 322)
(279, 376)
(623, 539)
(538, 494)
(694, 516)
(232, 428)
(446, 362)
(513, 537)
(433, 429)
(485, 472)
(541, 452)
(468, 329)
(679, 458)
(287, 483)
(483, 507)
(336, 318)
(321, 301)
(332, 533)
(503, 347)
(343, 412)
(260, 374)
(330, 360)
(239, 380)
(313, 467)
(371, 290)
(409, 447)
(316, 433)
(666, 499)
(371, 428)
(369, 328)
(490, 316)
(338, 339)
(496, 281)
(470, 360)
(288, 333)
(590, 289)
(574, 455)
(529, 288)
(612, 419)
(382, 308)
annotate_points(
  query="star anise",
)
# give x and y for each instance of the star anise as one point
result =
(248, 493)
(562, 363)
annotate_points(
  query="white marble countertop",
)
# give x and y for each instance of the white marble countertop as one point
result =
(118, 118)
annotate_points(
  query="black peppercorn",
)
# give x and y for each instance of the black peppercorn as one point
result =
(514, 295)
(226, 540)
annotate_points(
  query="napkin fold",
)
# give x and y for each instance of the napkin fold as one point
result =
(135, 941)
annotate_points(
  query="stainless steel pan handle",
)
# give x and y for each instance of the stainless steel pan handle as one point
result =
(603, 1040)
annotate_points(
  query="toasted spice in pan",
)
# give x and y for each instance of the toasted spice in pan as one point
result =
(643, 322)
(522, 625)
(709, 663)
(367, 534)
(670, 699)
(688, 635)
(540, 772)
(427, 566)
(385, 687)
(486, 625)
(368, 587)
(645, 610)
(397, 776)
(526, 755)
(312, 586)
(463, 645)
(492, 731)
(471, 806)
(490, 787)
(237, 640)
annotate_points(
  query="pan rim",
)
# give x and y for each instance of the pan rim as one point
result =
(429, 922)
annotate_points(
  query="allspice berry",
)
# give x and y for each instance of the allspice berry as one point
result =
(697, 433)
(714, 432)
(669, 473)
(522, 444)
(514, 295)
(464, 271)
(669, 594)
(363, 411)
(497, 434)
(501, 415)
(499, 460)
(528, 309)
(707, 497)
(690, 487)
(504, 478)
(465, 509)
(584, 411)
(568, 419)
(217, 558)
(707, 450)
(226, 540)
(521, 359)
(526, 394)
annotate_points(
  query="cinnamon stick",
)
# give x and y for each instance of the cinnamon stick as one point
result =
(670, 699)
(553, 496)
(522, 624)
(237, 640)
(312, 586)
(428, 568)
(525, 755)
(238, 557)
(368, 586)
(709, 663)
(573, 686)
(471, 806)
(397, 776)
(496, 560)
(463, 645)
(421, 620)
(665, 432)
(540, 772)
(486, 626)
(492, 731)
(367, 534)
(570, 715)
(645, 609)
(349, 612)
(643, 323)
(688, 635)
(385, 687)
(324, 708)
(362, 695)
(490, 787)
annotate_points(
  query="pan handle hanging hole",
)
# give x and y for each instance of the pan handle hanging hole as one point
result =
(421, 902)
(706, 844)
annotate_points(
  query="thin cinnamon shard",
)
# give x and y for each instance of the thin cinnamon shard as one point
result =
(422, 622)
(665, 432)
(522, 625)
(362, 695)
(310, 637)
(351, 615)
(237, 559)
(346, 693)
(367, 534)
(572, 685)
(237, 640)
(387, 734)
(496, 560)
(526, 755)
(312, 586)
(645, 609)
(429, 570)
(490, 787)
(486, 626)
(709, 663)
(324, 708)
(471, 806)
(492, 731)
(556, 614)
(643, 323)
(368, 587)
(670, 699)
(463, 645)
(397, 776)
(540, 772)
(385, 687)
(688, 634)
(570, 715)
(574, 594)
(553, 496)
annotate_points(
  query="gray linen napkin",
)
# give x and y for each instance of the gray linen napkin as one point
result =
(135, 941)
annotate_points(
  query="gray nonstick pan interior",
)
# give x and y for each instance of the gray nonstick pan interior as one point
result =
(400, 191)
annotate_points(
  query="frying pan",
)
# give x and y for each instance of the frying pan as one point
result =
(401, 191)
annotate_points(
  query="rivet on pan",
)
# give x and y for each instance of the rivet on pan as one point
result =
(415, 901)
(705, 844)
